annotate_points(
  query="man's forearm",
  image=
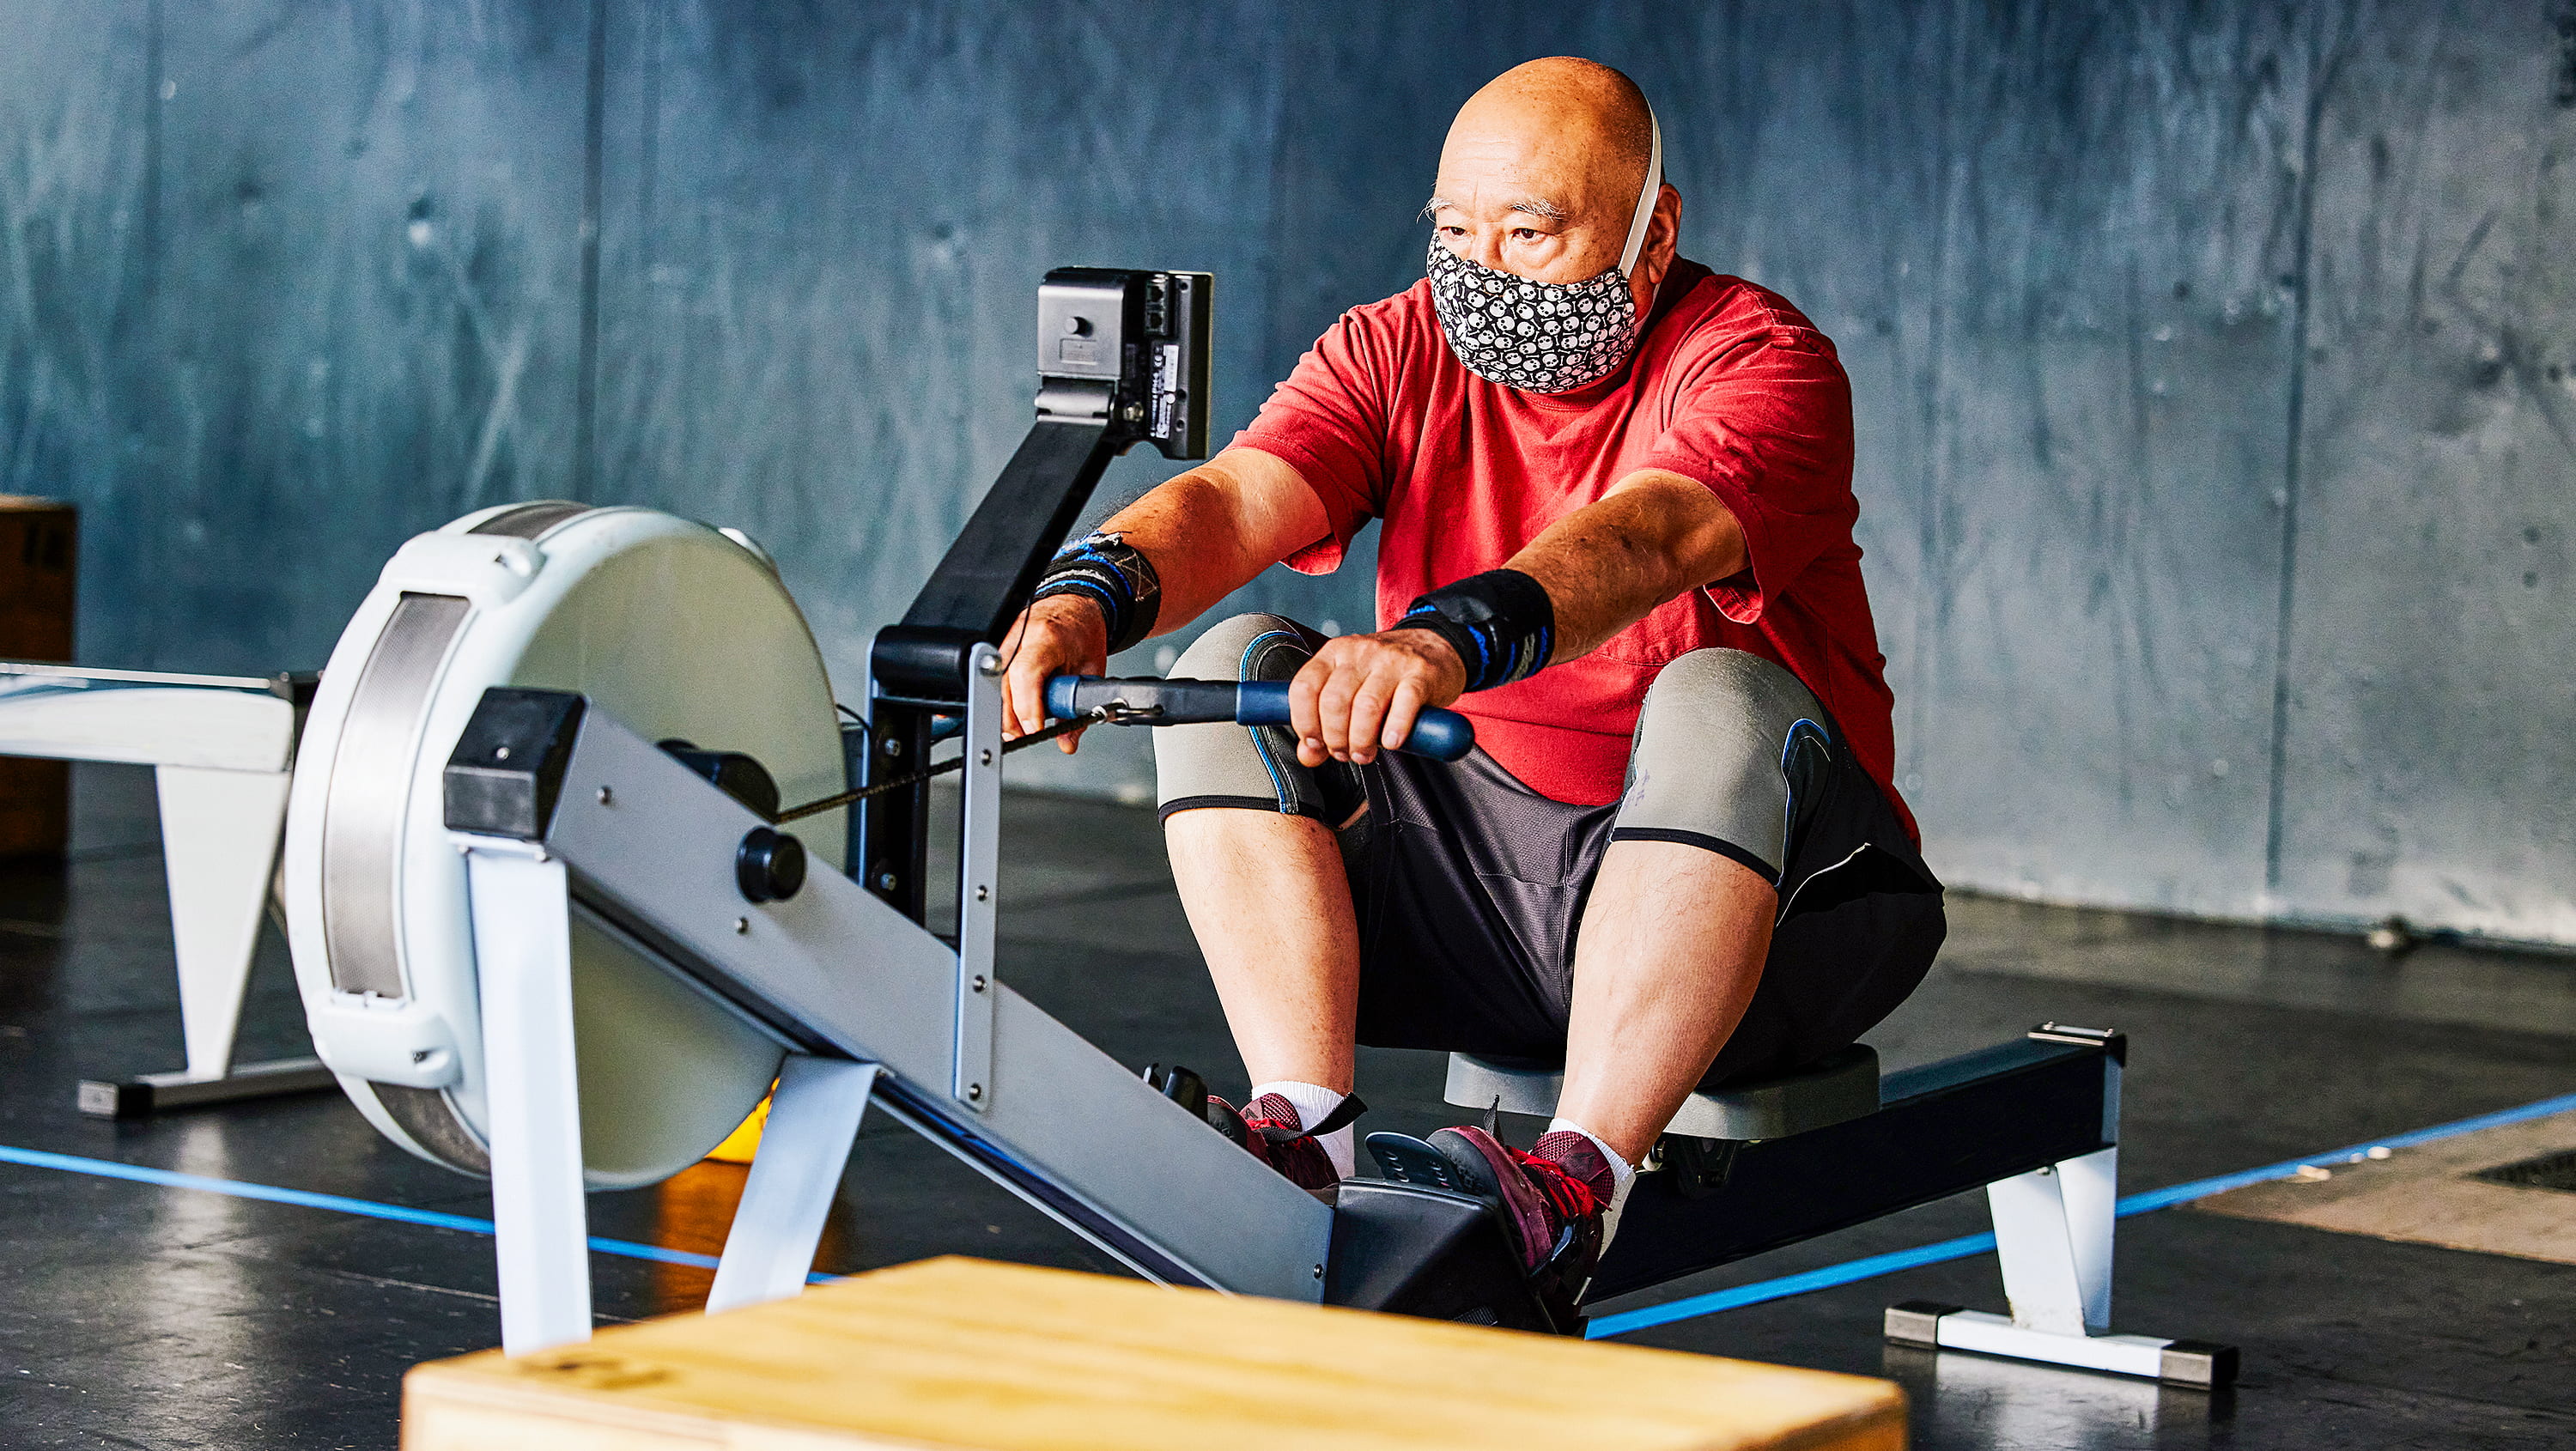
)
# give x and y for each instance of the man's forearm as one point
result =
(1209, 531)
(1606, 565)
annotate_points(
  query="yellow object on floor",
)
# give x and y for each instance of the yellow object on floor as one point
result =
(970, 1354)
(744, 1141)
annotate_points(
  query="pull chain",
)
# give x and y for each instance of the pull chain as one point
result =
(915, 778)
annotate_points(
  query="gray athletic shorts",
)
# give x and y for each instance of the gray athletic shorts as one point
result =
(1468, 886)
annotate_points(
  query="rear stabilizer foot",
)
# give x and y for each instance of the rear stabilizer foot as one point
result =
(153, 1093)
(2195, 1364)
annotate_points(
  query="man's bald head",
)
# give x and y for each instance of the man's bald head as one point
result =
(1542, 168)
(1564, 106)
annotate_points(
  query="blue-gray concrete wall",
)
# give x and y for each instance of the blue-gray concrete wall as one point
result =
(2214, 363)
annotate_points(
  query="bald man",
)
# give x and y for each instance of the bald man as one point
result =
(1614, 491)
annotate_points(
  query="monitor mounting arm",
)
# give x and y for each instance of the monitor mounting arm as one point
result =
(1123, 359)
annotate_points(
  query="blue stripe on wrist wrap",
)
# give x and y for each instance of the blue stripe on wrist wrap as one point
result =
(1106, 570)
(1501, 623)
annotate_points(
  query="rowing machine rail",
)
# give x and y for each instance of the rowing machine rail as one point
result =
(2034, 1122)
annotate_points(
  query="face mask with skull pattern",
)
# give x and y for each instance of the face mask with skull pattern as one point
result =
(1544, 337)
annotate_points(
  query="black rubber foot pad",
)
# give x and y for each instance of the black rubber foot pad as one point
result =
(1408, 1160)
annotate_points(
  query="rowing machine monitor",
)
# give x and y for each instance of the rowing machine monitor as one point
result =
(1129, 346)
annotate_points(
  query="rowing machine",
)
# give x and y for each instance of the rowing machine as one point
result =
(542, 938)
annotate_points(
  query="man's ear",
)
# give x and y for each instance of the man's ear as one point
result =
(1664, 233)
(1663, 244)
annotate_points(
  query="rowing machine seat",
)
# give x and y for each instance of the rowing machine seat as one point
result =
(1840, 1086)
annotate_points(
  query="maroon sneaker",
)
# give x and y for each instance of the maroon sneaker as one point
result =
(1552, 1197)
(1267, 1129)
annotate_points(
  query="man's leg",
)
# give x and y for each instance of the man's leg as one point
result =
(1670, 951)
(1261, 877)
(1678, 926)
(1266, 896)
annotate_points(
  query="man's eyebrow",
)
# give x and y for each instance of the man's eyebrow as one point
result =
(1536, 206)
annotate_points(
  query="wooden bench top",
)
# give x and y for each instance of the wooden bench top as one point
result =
(968, 1353)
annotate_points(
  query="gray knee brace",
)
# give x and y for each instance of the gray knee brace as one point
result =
(1725, 747)
(1227, 765)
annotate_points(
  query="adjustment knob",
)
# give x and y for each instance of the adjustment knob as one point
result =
(769, 866)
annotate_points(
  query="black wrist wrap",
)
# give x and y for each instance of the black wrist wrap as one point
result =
(1501, 623)
(1106, 570)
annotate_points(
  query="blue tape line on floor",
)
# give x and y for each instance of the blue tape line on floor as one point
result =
(1624, 1323)
(1807, 1282)
(305, 1198)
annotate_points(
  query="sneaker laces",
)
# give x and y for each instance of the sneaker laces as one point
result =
(1571, 1199)
(1271, 1133)
(1274, 1118)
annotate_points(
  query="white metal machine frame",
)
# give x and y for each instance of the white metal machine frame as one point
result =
(2053, 1222)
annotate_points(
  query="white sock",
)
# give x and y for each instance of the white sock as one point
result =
(1622, 1174)
(1314, 1103)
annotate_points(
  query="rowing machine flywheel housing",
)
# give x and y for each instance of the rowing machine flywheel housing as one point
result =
(676, 629)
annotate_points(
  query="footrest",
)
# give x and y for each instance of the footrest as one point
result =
(2194, 1363)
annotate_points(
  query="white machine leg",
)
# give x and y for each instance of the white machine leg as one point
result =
(2037, 1239)
(2090, 1188)
(813, 1117)
(523, 961)
(2053, 1238)
(219, 834)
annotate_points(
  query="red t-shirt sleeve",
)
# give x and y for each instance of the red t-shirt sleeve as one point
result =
(1328, 421)
(1768, 429)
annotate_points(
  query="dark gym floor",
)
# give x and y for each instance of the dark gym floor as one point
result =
(133, 1315)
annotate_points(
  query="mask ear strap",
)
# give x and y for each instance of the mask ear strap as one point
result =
(1646, 196)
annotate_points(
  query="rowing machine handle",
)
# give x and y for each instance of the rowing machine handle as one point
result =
(1443, 735)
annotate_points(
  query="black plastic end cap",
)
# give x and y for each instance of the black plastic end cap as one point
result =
(507, 770)
(2199, 1364)
(1917, 1323)
(769, 866)
(922, 662)
(99, 1098)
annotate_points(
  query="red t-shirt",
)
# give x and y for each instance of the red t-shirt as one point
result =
(1730, 386)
